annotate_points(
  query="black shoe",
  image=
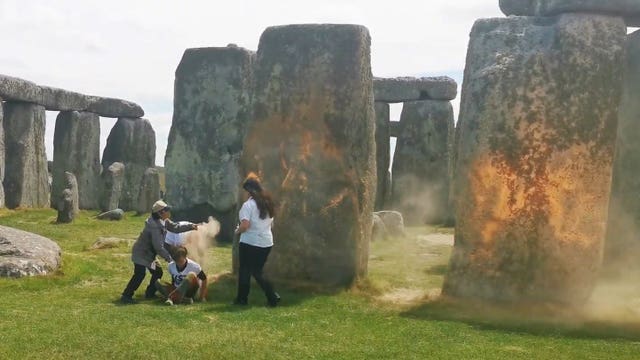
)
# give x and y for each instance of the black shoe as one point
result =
(150, 296)
(275, 301)
(240, 303)
(127, 300)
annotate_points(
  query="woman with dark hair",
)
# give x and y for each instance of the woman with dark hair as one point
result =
(149, 244)
(256, 240)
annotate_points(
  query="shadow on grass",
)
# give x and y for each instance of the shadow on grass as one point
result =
(538, 320)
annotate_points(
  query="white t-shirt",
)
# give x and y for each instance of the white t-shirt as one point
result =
(176, 239)
(259, 232)
(177, 276)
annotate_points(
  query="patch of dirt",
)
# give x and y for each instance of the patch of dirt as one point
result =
(407, 296)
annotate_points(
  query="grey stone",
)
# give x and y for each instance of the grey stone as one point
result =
(211, 113)
(71, 184)
(112, 180)
(16, 89)
(401, 89)
(420, 188)
(1, 156)
(393, 222)
(113, 215)
(133, 143)
(149, 190)
(628, 9)
(110, 242)
(65, 207)
(313, 143)
(62, 100)
(395, 128)
(382, 153)
(537, 133)
(622, 246)
(379, 231)
(76, 148)
(26, 254)
(26, 182)
(115, 108)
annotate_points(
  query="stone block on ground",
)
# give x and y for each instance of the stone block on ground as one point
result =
(393, 222)
(67, 200)
(26, 254)
(113, 215)
(110, 242)
(401, 89)
(379, 231)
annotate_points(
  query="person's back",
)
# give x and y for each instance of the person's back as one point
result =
(259, 232)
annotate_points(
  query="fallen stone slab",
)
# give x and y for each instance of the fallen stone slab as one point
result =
(16, 89)
(114, 215)
(401, 89)
(628, 9)
(26, 254)
(110, 242)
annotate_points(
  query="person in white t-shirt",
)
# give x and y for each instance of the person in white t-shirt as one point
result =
(256, 240)
(187, 280)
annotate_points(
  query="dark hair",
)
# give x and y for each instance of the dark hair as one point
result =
(155, 216)
(180, 252)
(263, 198)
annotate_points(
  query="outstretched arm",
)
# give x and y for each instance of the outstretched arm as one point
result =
(178, 228)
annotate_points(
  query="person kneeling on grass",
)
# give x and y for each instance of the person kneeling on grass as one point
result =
(187, 279)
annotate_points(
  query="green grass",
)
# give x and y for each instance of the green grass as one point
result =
(395, 314)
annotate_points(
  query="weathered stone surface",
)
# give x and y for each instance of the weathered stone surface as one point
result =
(395, 90)
(26, 181)
(65, 207)
(534, 158)
(63, 100)
(313, 143)
(112, 180)
(622, 247)
(16, 89)
(71, 183)
(27, 254)
(115, 108)
(76, 148)
(420, 189)
(382, 153)
(113, 215)
(393, 222)
(110, 243)
(394, 128)
(1, 156)
(149, 190)
(211, 113)
(628, 9)
(379, 230)
(133, 143)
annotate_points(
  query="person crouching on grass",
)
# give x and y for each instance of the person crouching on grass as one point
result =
(150, 243)
(187, 279)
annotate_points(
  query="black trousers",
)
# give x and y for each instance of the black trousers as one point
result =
(139, 271)
(252, 260)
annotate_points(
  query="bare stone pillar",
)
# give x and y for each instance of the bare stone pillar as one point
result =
(534, 159)
(133, 143)
(211, 113)
(149, 190)
(382, 154)
(26, 181)
(421, 162)
(1, 156)
(623, 228)
(313, 144)
(111, 182)
(76, 148)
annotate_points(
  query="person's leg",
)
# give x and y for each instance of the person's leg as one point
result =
(134, 283)
(156, 274)
(260, 256)
(164, 288)
(188, 287)
(244, 275)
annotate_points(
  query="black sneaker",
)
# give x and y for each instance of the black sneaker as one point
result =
(275, 301)
(127, 300)
(151, 296)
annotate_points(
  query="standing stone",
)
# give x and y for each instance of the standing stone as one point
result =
(382, 154)
(622, 248)
(76, 148)
(67, 201)
(535, 153)
(149, 190)
(1, 156)
(133, 143)
(26, 182)
(421, 162)
(313, 143)
(112, 180)
(211, 114)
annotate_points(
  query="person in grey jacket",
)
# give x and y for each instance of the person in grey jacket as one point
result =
(150, 243)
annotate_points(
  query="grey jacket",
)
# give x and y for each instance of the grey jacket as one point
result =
(151, 241)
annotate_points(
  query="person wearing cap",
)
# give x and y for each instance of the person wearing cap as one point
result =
(256, 240)
(150, 243)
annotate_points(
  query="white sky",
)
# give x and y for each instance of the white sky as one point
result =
(130, 48)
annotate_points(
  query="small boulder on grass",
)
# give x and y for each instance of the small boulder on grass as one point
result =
(109, 243)
(379, 231)
(393, 221)
(114, 215)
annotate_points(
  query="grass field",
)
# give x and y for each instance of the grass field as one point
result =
(395, 314)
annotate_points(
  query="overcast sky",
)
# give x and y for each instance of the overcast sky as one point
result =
(130, 49)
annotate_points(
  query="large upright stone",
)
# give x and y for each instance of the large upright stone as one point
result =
(76, 148)
(67, 199)
(383, 155)
(111, 182)
(26, 181)
(536, 141)
(1, 156)
(420, 188)
(133, 143)
(629, 9)
(622, 248)
(149, 190)
(313, 143)
(210, 117)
